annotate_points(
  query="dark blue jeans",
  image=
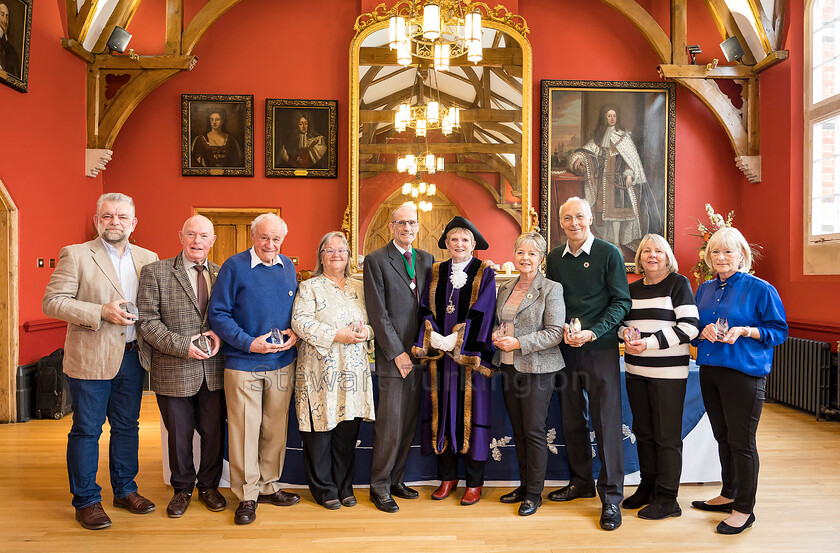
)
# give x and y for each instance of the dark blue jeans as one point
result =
(93, 400)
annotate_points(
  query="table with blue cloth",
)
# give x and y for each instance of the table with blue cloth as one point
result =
(700, 459)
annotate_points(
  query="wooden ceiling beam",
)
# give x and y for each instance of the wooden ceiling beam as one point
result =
(174, 26)
(441, 148)
(378, 55)
(466, 115)
(121, 15)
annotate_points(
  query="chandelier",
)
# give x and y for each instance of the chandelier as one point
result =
(418, 188)
(412, 164)
(440, 31)
(425, 116)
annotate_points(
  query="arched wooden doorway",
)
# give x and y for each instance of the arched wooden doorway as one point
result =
(431, 223)
(8, 305)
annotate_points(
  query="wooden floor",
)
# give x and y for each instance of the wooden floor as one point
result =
(798, 507)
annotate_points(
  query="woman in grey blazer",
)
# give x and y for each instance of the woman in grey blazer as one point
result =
(531, 312)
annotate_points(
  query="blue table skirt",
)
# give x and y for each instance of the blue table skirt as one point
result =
(502, 466)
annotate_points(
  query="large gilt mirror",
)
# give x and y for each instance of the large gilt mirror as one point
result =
(485, 154)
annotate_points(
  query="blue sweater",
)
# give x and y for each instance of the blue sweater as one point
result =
(247, 303)
(744, 300)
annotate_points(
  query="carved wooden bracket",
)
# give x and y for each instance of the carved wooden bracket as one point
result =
(116, 84)
(741, 124)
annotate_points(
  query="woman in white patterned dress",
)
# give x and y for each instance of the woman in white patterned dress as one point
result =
(333, 388)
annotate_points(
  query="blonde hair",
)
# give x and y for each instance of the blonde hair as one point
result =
(466, 231)
(731, 238)
(533, 237)
(663, 244)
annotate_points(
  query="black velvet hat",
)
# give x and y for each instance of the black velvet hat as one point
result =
(460, 222)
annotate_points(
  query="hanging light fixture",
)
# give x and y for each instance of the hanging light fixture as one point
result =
(425, 116)
(448, 24)
(417, 189)
(428, 163)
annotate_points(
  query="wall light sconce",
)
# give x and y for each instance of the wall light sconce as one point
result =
(693, 51)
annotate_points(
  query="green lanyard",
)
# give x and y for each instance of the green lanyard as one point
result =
(410, 268)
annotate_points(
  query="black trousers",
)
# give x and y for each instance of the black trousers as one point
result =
(448, 468)
(397, 412)
(657, 406)
(734, 401)
(527, 397)
(204, 412)
(329, 459)
(590, 386)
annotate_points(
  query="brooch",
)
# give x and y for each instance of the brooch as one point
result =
(586, 264)
(529, 296)
(291, 293)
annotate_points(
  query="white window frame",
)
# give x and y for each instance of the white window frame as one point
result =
(821, 253)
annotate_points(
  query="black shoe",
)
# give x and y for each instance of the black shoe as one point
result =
(661, 508)
(349, 501)
(529, 507)
(384, 502)
(571, 492)
(246, 513)
(610, 516)
(516, 496)
(724, 528)
(404, 492)
(703, 506)
(332, 504)
(640, 498)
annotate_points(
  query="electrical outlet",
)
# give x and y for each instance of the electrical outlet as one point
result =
(52, 263)
(294, 259)
(40, 262)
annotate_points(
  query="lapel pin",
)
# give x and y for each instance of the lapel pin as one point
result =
(291, 293)
(586, 264)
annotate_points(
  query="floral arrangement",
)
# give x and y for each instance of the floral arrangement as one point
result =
(703, 272)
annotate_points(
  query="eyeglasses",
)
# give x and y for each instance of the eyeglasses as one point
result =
(402, 223)
(580, 217)
(341, 252)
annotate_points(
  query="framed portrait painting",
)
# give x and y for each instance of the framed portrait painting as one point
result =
(15, 31)
(612, 144)
(217, 135)
(301, 138)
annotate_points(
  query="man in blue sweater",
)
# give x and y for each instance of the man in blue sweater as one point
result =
(252, 296)
(596, 293)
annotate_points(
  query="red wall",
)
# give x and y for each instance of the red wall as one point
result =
(288, 50)
(42, 162)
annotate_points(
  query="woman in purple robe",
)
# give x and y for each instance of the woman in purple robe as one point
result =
(458, 307)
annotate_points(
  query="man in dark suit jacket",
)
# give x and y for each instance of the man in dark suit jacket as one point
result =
(186, 373)
(394, 277)
(93, 288)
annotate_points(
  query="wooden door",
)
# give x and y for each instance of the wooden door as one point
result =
(233, 229)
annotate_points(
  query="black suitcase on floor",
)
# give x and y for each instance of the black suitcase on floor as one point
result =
(52, 400)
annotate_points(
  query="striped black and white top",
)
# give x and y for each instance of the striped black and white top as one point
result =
(667, 318)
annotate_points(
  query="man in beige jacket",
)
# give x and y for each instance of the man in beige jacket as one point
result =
(94, 288)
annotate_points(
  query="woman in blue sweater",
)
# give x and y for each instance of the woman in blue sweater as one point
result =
(742, 319)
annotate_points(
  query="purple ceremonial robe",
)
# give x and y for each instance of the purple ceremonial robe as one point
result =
(456, 396)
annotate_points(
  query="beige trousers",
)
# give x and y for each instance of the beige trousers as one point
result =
(258, 417)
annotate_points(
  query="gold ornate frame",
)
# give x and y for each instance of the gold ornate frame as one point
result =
(498, 18)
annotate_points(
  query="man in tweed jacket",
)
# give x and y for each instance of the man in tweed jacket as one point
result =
(187, 375)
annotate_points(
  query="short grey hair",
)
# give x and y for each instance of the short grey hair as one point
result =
(466, 231)
(586, 207)
(394, 212)
(322, 245)
(731, 238)
(114, 197)
(269, 217)
(662, 244)
(534, 238)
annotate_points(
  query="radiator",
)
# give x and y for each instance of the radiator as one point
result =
(800, 374)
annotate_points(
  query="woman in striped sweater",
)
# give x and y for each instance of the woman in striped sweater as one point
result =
(656, 333)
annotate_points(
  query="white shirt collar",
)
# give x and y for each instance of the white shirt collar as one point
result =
(461, 266)
(255, 259)
(586, 247)
(189, 264)
(113, 251)
(401, 250)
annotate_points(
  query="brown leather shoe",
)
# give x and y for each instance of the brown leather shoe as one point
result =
(246, 513)
(212, 499)
(444, 489)
(135, 503)
(178, 504)
(471, 496)
(279, 498)
(93, 517)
